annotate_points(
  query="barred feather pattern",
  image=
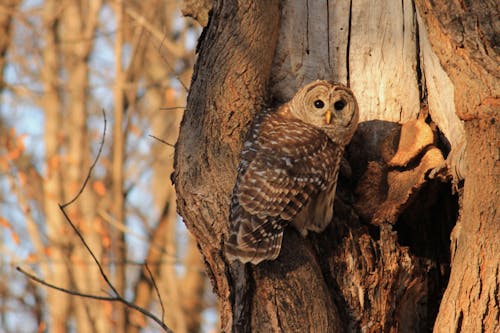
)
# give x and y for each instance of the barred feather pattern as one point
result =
(287, 175)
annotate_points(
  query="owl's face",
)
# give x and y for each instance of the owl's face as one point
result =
(330, 107)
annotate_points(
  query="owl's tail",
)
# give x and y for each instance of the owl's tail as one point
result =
(253, 247)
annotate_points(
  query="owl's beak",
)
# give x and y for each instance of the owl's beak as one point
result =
(328, 116)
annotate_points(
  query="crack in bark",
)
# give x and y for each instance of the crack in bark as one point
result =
(349, 29)
(403, 15)
(485, 314)
(422, 88)
(280, 326)
(328, 32)
(458, 329)
(307, 27)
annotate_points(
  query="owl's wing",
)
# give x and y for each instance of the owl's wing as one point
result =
(281, 171)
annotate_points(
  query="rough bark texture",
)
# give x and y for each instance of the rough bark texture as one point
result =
(227, 97)
(383, 263)
(465, 37)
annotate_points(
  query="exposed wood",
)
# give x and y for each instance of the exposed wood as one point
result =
(302, 54)
(339, 22)
(383, 60)
(439, 88)
(441, 99)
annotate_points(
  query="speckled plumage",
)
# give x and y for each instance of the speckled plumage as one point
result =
(288, 170)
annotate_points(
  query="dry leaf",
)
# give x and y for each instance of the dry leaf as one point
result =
(4, 222)
(99, 188)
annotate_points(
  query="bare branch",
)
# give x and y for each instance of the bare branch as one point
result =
(64, 290)
(170, 66)
(78, 233)
(157, 291)
(175, 50)
(173, 108)
(162, 141)
(84, 242)
(117, 298)
(120, 226)
(89, 174)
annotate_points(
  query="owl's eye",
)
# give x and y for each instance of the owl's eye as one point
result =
(319, 104)
(339, 105)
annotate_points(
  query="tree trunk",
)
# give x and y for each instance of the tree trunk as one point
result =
(118, 247)
(58, 303)
(7, 9)
(227, 98)
(465, 37)
(383, 263)
(163, 103)
(79, 29)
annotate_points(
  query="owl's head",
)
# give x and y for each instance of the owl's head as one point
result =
(328, 106)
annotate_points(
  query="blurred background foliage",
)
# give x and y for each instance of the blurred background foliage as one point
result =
(62, 64)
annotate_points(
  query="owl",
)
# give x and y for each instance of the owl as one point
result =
(288, 170)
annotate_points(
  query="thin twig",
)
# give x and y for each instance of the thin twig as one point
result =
(176, 50)
(173, 108)
(157, 291)
(63, 206)
(89, 174)
(161, 140)
(170, 66)
(117, 298)
(120, 226)
(64, 290)
(84, 242)
(162, 37)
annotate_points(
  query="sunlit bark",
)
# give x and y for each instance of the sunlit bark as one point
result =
(465, 37)
(384, 262)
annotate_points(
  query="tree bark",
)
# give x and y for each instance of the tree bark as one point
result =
(231, 84)
(465, 37)
(383, 263)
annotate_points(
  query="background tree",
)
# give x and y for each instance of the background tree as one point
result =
(62, 63)
(423, 158)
